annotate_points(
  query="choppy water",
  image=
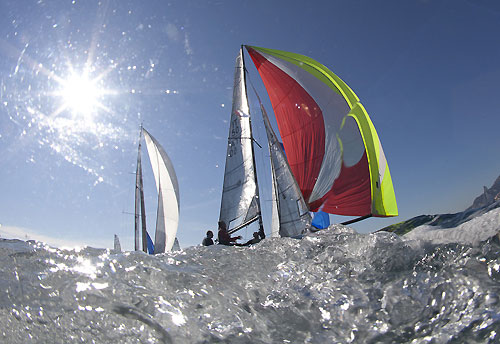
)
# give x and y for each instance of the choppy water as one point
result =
(332, 286)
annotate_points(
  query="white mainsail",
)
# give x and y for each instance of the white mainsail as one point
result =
(168, 195)
(240, 203)
(290, 213)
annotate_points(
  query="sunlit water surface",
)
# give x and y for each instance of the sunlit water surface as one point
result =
(331, 286)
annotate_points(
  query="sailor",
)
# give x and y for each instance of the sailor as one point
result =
(261, 233)
(256, 238)
(207, 241)
(224, 237)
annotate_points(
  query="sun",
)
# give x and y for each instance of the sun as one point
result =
(80, 95)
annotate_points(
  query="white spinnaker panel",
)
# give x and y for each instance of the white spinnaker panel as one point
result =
(168, 195)
(293, 214)
(240, 203)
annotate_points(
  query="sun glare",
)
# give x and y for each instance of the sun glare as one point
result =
(80, 94)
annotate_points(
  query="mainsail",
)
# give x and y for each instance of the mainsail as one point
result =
(168, 195)
(331, 144)
(240, 204)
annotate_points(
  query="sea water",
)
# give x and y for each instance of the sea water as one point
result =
(333, 286)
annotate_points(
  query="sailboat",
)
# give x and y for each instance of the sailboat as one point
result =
(167, 187)
(334, 161)
(116, 246)
(240, 204)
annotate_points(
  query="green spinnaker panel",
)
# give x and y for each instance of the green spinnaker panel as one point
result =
(383, 197)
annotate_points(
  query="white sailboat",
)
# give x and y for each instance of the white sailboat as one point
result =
(167, 187)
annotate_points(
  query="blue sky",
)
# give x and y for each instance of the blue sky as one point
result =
(426, 71)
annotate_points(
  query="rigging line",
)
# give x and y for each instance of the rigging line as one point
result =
(251, 84)
(258, 97)
(254, 140)
(257, 192)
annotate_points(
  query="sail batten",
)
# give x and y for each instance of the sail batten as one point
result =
(332, 147)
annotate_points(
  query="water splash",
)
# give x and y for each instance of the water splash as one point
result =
(332, 286)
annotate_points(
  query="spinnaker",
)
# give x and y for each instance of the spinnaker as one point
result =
(331, 144)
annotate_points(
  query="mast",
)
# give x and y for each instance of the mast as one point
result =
(137, 198)
(140, 209)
